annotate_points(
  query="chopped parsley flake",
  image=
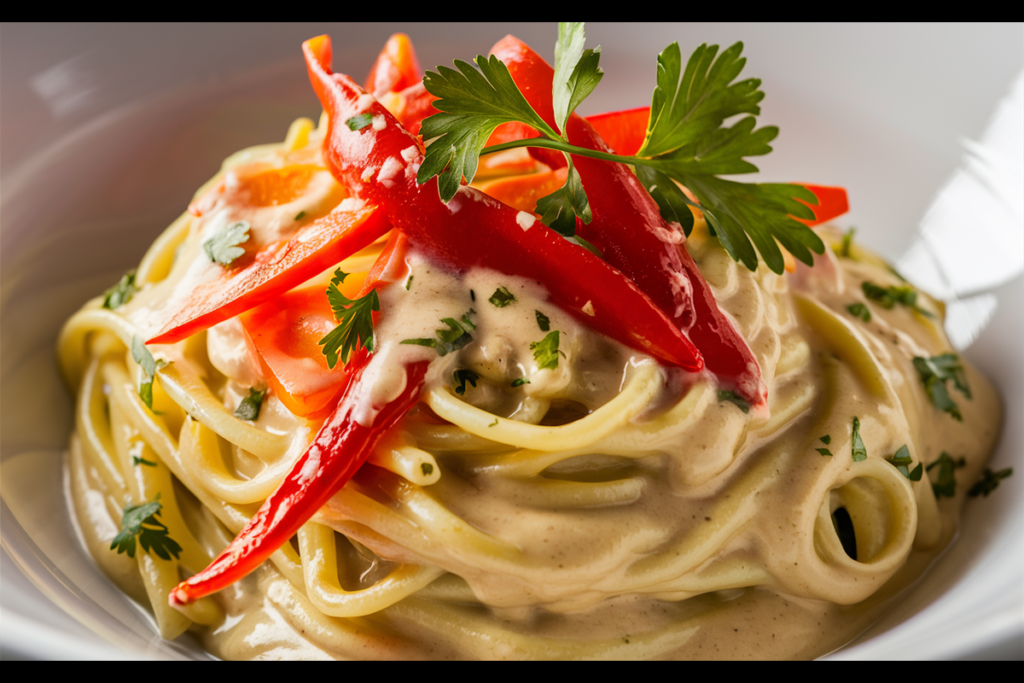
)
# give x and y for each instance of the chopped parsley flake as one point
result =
(249, 407)
(731, 397)
(121, 293)
(141, 521)
(502, 297)
(857, 444)
(546, 352)
(359, 121)
(149, 367)
(223, 247)
(452, 339)
(988, 482)
(520, 381)
(945, 481)
(902, 461)
(859, 310)
(887, 297)
(426, 468)
(543, 322)
(935, 372)
(136, 461)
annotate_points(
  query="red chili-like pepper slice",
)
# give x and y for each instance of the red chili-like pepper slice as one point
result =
(379, 163)
(396, 67)
(632, 235)
(338, 451)
(274, 270)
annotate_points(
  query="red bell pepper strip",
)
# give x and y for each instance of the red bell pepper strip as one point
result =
(832, 203)
(623, 131)
(632, 235)
(338, 451)
(275, 269)
(380, 164)
(396, 67)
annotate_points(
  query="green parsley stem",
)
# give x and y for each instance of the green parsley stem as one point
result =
(561, 146)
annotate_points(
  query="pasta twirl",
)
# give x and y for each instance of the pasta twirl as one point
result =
(575, 498)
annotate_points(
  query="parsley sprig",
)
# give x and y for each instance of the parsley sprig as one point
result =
(140, 521)
(149, 365)
(355, 326)
(223, 247)
(121, 293)
(686, 142)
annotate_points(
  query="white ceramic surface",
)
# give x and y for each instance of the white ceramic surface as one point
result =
(107, 131)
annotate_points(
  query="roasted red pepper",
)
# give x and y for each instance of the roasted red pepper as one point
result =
(379, 164)
(274, 270)
(396, 67)
(632, 235)
(340, 448)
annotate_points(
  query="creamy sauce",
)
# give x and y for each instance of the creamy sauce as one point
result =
(567, 577)
(671, 524)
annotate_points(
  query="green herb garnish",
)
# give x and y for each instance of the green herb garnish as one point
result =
(887, 297)
(149, 367)
(844, 248)
(988, 482)
(546, 352)
(359, 121)
(355, 321)
(827, 439)
(732, 397)
(300, 215)
(859, 310)
(426, 468)
(223, 247)
(935, 372)
(520, 381)
(902, 461)
(502, 297)
(462, 377)
(408, 283)
(249, 407)
(686, 142)
(857, 444)
(824, 451)
(136, 461)
(543, 322)
(121, 293)
(141, 521)
(451, 339)
(945, 483)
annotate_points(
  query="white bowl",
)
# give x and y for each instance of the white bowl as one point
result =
(108, 129)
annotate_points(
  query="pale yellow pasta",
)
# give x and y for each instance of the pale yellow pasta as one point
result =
(605, 508)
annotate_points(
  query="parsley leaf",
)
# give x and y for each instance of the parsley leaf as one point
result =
(142, 356)
(988, 482)
(141, 520)
(902, 461)
(355, 326)
(686, 143)
(520, 381)
(359, 121)
(502, 297)
(462, 377)
(844, 247)
(543, 322)
(887, 297)
(824, 451)
(136, 461)
(249, 407)
(827, 439)
(857, 444)
(945, 484)
(546, 352)
(859, 310)
(223, 247)
(934, 372)
(576, 71)
(473, 102)
(121, 293)
(452, 339)
(732, 397)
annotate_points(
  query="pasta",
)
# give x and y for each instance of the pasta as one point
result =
(603, 505)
